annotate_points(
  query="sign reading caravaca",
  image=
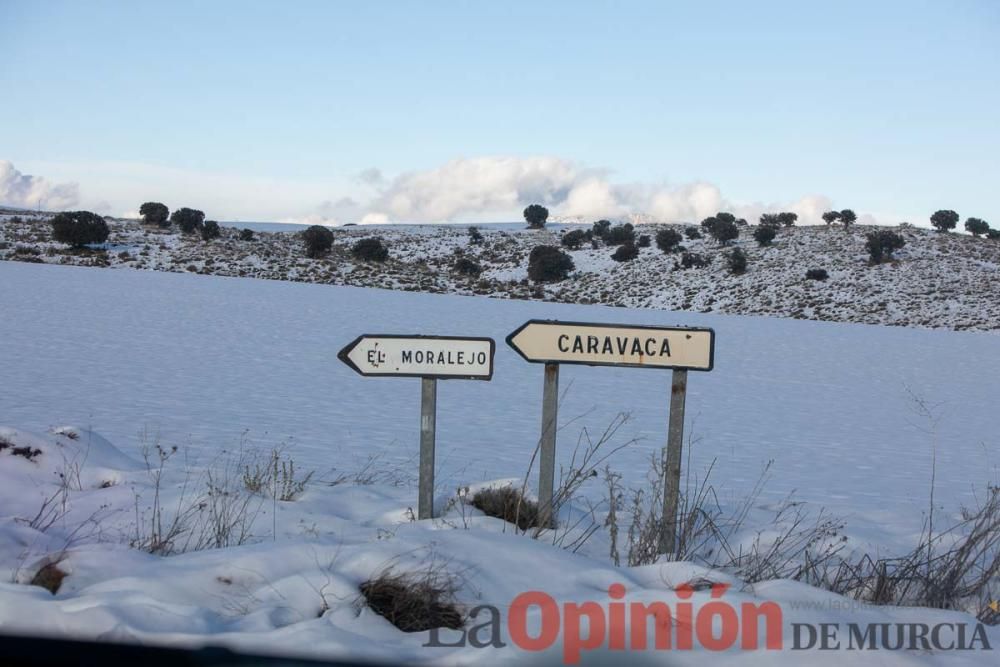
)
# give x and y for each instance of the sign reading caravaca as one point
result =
(543, 341)
(441, 357)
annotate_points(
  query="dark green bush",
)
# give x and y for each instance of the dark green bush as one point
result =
(764, 234)
(644, 241)
(189, 220)
(601, 228)
(318, 241)
(882, 244)
(574, 239)
(693, 260)
(210, 230)
(79, 228)
(944, 220)
(626, 252)
(817, 274)
(668, 240)
(977, 226)
(475, 236)
(370, 249)
(536, 215)
(548, 263)
(692, 233)
(620, 234)
(246, 234)
(155, 213)
(467, 267)
(736, 259)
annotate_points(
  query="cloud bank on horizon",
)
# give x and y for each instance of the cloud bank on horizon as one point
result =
(477, 189)
(26, 191)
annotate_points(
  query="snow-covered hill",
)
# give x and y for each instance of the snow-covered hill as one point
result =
(937, 281)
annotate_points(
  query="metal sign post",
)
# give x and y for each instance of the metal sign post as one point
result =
(595, 344)
(431, 358)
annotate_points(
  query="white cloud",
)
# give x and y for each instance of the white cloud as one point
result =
(26, 191)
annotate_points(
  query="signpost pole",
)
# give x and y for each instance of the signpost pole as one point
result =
(428, 417)
(672, 465)
(547, 446)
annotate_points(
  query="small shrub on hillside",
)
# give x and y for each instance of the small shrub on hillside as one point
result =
(736, 260)
(467, 267)
(882, 244)
(188, 220)
(548, 263)
(977, 226)
(246, 234)
(831, 217)
(414, 602)
(507, 503)
(574, 239)
(625, 252)
(724, 231)
(620, 234)
(370, 249)
(668, 240)
(847, 218)
(475, 236)
(210, 230)
(79, 228)
(601, 228)
(764, 234)
(944, 220)
(536, 215)
(318, 241)
(692, 233)
(787, 218)
(817, 274)
(155, 213)
(693, 260)
(993, 234)
(644, 241)
(770, 220)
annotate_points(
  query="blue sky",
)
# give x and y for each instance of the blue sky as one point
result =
(468, 110)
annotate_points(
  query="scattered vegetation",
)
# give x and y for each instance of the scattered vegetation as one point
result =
(79, 228)
(764, 235)
(475, 236)
(573, 239)
(736, 260)
(882, 243)
(509, 504)
(548, 263)
(817, 274)
(370, 249)
(619, 234)
(693, 260)
(414, 602)
(210, 230)
(318, 241)
(536, 215)
(246, 234)
(467, 267)
(188, 220)
(625, 252)
(668, 240)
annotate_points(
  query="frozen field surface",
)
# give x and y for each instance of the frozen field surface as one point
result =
(200, 360)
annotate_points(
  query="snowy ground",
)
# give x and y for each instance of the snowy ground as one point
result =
(219, 366)
(938, 281)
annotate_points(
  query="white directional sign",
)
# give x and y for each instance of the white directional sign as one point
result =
(440, 357)
(596, 344)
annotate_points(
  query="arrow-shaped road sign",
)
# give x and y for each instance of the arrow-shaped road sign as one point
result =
(596, 344)
(438, 357)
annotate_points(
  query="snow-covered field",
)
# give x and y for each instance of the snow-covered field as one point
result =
(219, 365)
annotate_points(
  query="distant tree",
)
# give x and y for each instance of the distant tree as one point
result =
(741, 222)
(709, 223)
(155, 213)
(370, 249)
(692, 233)
(626, 252)
(475, 236)
(993, 234)
(79, 228)
(770, 220)
(210, 230)
(764, 235)
(548, 264)
(246, 234)
(977, 226)
(736, 259)
(601, 228)
(574, 239)
(620, 234)
(882, 244)
(188, 219)
(724, 231)
(725, 217)
(467, 267)
(787, 218)
(944, 220)
(536, 215)
(817, 274)
(318, 241)
(848, 218)
(831, 217)
(668, 240)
